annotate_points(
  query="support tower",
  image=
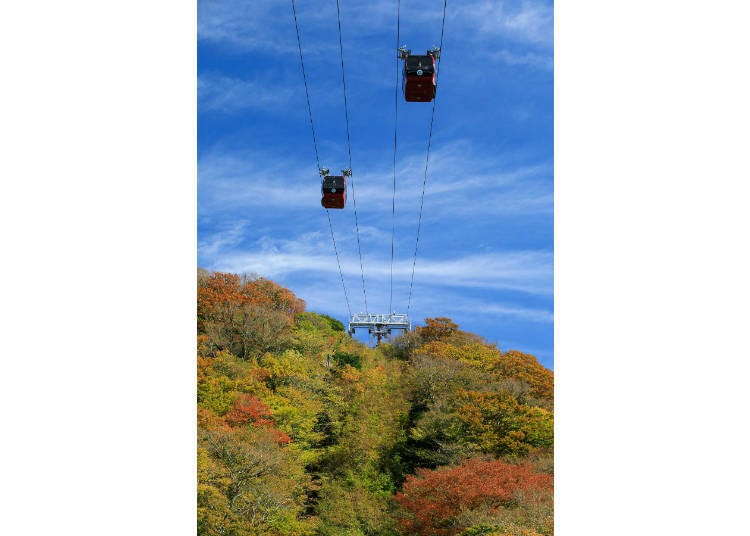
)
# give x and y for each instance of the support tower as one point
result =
(379, 325)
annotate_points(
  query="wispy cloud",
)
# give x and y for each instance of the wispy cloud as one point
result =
(225, 239)
(235, 181)
(527, 21)
(524, 271)
(485, 252)
(496, 309)
(326, 296)
(240, 24)
(488, 25)
(443, 287)
(456, 178)
(262, 25)
(532, 59)
(218, 93)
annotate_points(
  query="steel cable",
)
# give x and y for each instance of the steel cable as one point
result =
(427, 163)
(395, 138)
(349, 149)
(317, 159)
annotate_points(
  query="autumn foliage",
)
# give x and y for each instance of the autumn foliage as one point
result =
(432, 499)
(304, 431)
(526, 368)
(244, 315)
(436, 329)
(249, 410)
(246, 409)
(221, 288)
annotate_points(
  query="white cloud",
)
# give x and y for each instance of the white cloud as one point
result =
(230, 181)
(532, 59)
(529, 22)
(495, 309)
(223, 240)
(456, 179)
(239, 24)
(226, 95)
(524, 271)
(259, 24)
(326, 295)
(259, 207)
(431, 296)
(487, 25)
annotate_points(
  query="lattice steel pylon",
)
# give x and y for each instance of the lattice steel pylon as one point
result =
(379, 325)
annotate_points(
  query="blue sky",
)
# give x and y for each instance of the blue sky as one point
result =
(486, 244)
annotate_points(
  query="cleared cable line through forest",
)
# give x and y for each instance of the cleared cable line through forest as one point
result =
(427, 162)
(349, 149)
(317, 159)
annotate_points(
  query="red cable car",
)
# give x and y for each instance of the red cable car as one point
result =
(419, 75)
(333, 189)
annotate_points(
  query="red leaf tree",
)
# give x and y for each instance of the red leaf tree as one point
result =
(431, 499)
(220, 288)
(249, 410)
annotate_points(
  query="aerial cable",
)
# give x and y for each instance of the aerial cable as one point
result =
(427, 163)
(395, 134)
(307, 92)
(341, 273)
(317, 160)
(349, 149)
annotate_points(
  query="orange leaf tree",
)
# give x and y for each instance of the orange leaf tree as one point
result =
(219, 288)
(243, 314)
(436, 329)
(431, 500)
(525, 368)
(249, 410)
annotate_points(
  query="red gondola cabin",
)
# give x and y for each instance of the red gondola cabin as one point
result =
(334, 192)
(419, 78)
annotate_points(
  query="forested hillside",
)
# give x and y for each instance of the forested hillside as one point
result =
(305, 431)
